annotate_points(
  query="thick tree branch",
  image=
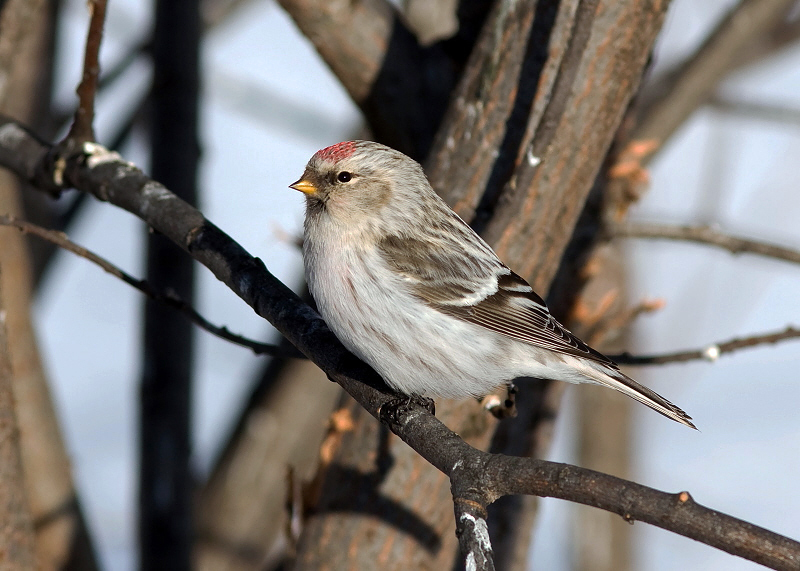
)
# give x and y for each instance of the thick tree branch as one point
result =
(475, 475)
(635, 502)
(352, 37)
(517, 136)
(705, 235)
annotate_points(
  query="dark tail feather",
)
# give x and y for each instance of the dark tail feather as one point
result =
(624, 384)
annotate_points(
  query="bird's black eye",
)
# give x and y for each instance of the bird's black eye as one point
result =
(344, 176)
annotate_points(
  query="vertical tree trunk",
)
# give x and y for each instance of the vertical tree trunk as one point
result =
(165, 494)
(61, 538)
(17, 548)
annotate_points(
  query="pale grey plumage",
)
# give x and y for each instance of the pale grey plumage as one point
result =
(409, 287)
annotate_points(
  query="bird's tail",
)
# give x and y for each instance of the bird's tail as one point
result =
(616, 380)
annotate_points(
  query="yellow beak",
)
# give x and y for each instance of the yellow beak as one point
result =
(304, 186)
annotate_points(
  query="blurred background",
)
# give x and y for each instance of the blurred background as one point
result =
(267, 103)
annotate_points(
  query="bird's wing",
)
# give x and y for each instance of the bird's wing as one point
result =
(480, 289)
(516, 311)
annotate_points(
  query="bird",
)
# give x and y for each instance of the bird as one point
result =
(412, 290)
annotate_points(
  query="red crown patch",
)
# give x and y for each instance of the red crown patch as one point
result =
(337, 152)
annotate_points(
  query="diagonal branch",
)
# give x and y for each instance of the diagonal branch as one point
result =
(476, 476)
(60, 239)
(705, 235)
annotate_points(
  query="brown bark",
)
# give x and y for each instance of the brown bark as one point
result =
(242, 509)
(401, 87)
(352, 37)
(602, 541)
(382, 505)
(17, 547)
(568, 118)
(596, 58)
(50, 490)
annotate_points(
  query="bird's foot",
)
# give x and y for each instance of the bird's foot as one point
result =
(502, 408)
(394, 412)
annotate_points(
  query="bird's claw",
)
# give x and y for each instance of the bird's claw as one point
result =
(393, 412)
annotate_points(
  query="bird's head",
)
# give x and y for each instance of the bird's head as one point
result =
(360, 179)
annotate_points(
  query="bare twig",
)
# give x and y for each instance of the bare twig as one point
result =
(475, 475)
(705, 235)
(60, 239)
(710, 352)
(83, 125)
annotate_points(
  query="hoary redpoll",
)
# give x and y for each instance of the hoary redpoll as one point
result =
(413, 291)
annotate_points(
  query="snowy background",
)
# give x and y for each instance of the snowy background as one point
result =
(269, 103)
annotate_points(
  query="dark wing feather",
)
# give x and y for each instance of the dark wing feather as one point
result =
(478, 289)
(516, 311)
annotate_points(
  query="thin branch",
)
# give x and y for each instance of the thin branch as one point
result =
(705, 235)
(476, 476)
(83, 125)
(711, 352)
(60, 239)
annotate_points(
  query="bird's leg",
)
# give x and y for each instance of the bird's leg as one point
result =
(502, 408)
